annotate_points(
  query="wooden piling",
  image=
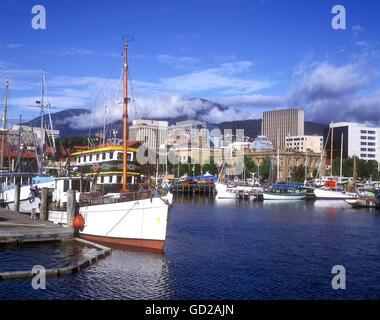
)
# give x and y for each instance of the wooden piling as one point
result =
(17, 195)
(44, 209)
(71, 204)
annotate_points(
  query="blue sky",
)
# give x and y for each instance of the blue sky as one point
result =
(251, 55)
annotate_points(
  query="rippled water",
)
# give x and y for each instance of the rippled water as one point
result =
(237, 250)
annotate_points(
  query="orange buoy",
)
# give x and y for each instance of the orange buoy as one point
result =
(78, 222)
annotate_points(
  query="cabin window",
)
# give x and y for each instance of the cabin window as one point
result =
(111, 155)
(129, 156)
(119, 179)
(78, 160)
(75, 185)
(103, 156)
(88, 158)
(101, 179)
(82, 159)
(119, 156)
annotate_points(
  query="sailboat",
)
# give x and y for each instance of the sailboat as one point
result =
(330, 188)
(31, 182)
(131, 217)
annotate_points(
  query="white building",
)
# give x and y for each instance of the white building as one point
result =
(186, 132)
(150, 132)
(359, 139)
(303, 143)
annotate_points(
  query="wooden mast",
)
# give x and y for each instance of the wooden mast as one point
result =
(125, 119)
(4, 124)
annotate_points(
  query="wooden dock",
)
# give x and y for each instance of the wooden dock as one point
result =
(208, 188)
(17, 228)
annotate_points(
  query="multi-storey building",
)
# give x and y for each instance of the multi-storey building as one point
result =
(279, 124)
(152, 133)
(350, 138)
(304, 143)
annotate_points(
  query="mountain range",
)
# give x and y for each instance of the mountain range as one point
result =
(252, 128)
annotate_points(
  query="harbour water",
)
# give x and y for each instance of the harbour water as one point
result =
(233, 250)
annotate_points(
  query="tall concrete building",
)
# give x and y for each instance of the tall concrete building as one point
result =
(279, 124)
(152, 133)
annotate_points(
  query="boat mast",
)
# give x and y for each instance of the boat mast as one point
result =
(4, 124)
(332, 140)
(354, 173)
(42, 124)
(341, 158)
(125, 119)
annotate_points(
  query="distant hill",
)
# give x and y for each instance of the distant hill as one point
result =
(252, 128)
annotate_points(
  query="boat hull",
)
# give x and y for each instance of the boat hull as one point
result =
(126, 243)
(137, 223)
(329, 194)
(272, 196)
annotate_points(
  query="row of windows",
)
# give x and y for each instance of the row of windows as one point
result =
(369, 149)
(369, 131)
(363, 155)
(369, 144)
(103, 156)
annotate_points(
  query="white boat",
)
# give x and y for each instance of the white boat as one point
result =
(132, 217)
(224, 191)
(326, 193)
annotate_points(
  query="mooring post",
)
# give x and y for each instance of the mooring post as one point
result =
(44, 209)
(17, 195)
(71, 203)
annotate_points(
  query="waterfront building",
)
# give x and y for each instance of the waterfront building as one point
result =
(303, 143)
(289, 160)
(152, 133)
(279, 124)
(27, 133)
(359, 139)
(185, 132)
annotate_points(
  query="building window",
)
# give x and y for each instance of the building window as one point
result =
(364, 149)
(363, 155)
(371, 143)
(363, 137)
(371, 138)
(363, 131)
(371, 132)
(363, 143)
(371, 156)
(371, 149)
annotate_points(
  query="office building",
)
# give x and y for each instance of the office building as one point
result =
(279, 124)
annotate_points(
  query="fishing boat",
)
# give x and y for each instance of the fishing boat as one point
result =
(367, 202)
(134, 216)
(284, 192)
(232, 191)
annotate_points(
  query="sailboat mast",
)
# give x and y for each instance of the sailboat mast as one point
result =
(341, 158)
(125, 119)
(332, 140)
(42, 124)
(4, 124)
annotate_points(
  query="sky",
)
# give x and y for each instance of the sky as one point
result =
(249, 55)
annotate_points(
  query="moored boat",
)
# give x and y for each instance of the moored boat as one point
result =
(284, 192)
